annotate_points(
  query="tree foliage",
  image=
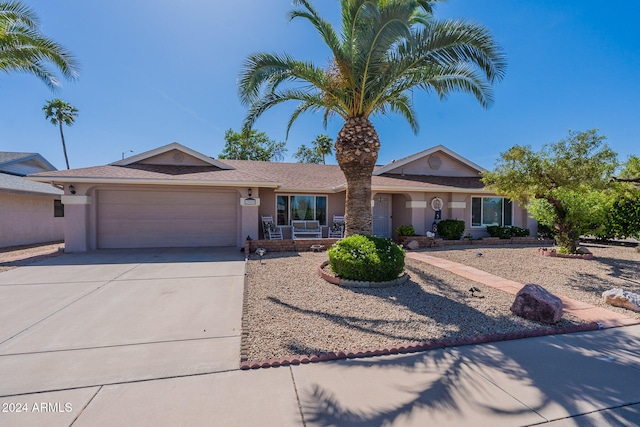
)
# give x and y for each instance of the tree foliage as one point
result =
(383, 52)
(250, 144)
(630, 172)
(60, 112)
(564, 183)
(320, 148)
(23, 48)
(622, 219)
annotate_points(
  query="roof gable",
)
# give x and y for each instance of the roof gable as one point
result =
(23, 163)
(436, 161)
(173, 154)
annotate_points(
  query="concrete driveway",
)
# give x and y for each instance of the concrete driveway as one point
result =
(116, 316)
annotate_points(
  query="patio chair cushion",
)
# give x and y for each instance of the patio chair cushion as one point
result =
(270, 226)
(313, 225)
(337, 226)
(299, 225)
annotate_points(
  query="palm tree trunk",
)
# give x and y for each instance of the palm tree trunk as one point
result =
(357, 149)
(64, 146)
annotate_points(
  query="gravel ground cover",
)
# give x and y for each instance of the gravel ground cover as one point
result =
(22, 255)
(583, 280)
(291, 310)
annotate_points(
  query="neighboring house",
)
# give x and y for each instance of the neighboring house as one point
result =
(30, 212)
(175, 196)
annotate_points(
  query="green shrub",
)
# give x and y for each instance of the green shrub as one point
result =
(507, 232)
(406, 230)
(451, 229)
(366, 258)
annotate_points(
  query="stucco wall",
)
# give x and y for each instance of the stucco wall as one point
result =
(27, 219)
(424, 217)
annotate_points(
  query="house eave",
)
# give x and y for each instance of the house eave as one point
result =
(307, 190)
(146, 181)
(416, 189)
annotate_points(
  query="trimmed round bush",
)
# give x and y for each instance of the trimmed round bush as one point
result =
(366, 258)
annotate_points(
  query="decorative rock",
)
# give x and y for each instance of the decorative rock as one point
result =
(621, 298)
(534, 302)
(413, 245)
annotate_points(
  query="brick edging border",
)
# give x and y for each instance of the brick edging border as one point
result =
(413, 347)
(552, 253)
(358, 284)
(244, 335)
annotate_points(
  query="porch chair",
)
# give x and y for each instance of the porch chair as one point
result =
(337, 229)
(270, 229)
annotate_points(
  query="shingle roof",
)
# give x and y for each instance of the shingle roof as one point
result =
(286, 176)
(12, 183)
(154, 173)
(8, 156)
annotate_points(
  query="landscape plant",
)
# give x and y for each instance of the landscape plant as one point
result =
(366, 258)
(507, 232)
(385, 51)
(406, 230)
(564, 184)
(451, 229)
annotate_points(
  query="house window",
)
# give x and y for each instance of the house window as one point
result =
(491, 211)
(58, 209)
(292, 208)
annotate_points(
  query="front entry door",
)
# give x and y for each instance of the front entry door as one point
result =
(382, 216)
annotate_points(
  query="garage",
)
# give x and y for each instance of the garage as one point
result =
(166, 218)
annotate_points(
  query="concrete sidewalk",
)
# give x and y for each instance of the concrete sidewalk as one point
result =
(583, 379)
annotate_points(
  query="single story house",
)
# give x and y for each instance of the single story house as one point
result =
(30, 212)
(174, 196)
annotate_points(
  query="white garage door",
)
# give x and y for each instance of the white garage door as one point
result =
(148, 219)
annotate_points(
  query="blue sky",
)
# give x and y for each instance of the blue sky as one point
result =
(158, 71)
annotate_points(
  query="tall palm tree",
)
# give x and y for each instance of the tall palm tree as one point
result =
(386, 49)
(59, 112)
(24, 48)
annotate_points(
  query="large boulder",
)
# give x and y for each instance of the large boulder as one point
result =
(413, 245)
(622, 298)
(534, 302)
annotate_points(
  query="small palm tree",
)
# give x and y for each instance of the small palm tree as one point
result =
(320, 148)
(24, 48)
(386, 49)
(324, 146)
(59, 112)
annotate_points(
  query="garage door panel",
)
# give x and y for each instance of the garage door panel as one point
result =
(130, 219)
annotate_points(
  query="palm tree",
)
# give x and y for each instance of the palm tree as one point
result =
(323, 146)
(24, 48)
(60, 112)
(386, 49)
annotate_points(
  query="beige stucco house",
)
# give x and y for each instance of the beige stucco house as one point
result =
(175, 196)
(30, 212)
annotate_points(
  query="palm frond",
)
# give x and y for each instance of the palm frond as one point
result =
(14, 12)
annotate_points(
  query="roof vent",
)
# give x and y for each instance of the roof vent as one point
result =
(178, 157)
(434, 162)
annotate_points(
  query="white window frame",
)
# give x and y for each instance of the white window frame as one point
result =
(482, 225)
(289, 195)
